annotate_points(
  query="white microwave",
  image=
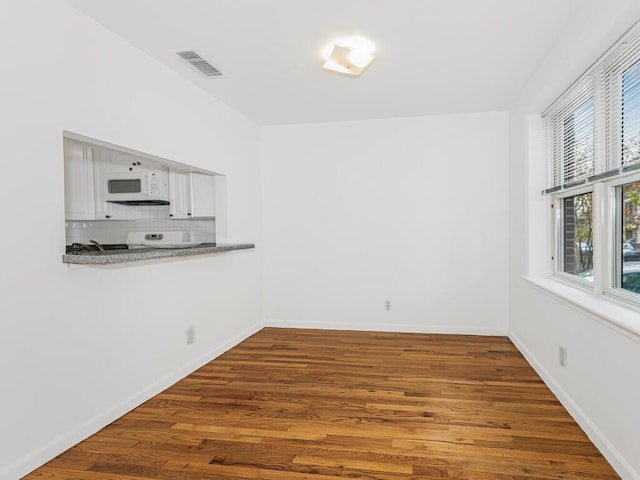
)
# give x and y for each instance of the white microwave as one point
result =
(148, 186)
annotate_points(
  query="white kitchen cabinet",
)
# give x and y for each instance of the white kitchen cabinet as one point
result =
(82, 188)
(191, 195)
(117, 162)
(203, 198)
(179, 194)
(79, 184)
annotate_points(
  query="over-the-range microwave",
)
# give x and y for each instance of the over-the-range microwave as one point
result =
(148, 186)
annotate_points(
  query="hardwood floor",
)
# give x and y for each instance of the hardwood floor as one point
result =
(308, 404)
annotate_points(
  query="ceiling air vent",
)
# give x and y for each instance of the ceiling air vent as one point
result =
(200, 63)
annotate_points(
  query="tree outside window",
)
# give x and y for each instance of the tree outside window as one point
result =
(578, 233)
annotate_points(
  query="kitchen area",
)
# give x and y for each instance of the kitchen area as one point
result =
(125, 206)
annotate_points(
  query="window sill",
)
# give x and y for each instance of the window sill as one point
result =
(612, 314)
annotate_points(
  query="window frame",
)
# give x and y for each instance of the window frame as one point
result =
(611, 265)
(557, 258)
(607, 245)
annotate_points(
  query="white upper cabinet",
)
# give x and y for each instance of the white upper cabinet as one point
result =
(82, 189)
(203, 195)
(79, 185)
(179, 194)
(116, 162)
(191, 195)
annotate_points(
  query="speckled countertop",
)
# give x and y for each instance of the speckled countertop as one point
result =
(137, 254)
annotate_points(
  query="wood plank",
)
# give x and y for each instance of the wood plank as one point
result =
(290, 404)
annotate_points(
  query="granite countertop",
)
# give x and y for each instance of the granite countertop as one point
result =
(111, 257)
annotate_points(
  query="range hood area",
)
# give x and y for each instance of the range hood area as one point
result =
(128, 180)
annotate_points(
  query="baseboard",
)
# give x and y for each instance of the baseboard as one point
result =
(388, 327)
(602, 443)
(30, 462)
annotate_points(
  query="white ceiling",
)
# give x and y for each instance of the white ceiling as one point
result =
(434, 57)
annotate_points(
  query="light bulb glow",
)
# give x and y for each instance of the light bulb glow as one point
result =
(349, 55)
(360, 59)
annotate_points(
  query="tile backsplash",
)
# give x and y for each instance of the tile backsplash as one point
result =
(148, 217)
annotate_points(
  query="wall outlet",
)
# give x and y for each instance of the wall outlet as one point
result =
(387, 305)
(190, 334)
(562, 356)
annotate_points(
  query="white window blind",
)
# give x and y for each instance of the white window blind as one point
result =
(571, 136)
(593, 129)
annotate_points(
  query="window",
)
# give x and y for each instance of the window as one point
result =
(577, 234)
(593, 175)
(631, 115)
(627, 264)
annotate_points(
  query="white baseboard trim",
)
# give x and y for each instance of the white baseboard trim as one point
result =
(388, 327)
(30, 462)
(602, 443)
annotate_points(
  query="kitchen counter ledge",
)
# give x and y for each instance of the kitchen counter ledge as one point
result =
(135, 255)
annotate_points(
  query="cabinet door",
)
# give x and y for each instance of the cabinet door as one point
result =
(179, 194)
(79, 188)
(203, 199)
(116, 162)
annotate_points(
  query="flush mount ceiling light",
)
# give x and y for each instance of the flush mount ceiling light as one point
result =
(349, 56)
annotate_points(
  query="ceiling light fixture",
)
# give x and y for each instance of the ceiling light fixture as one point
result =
(349, 56)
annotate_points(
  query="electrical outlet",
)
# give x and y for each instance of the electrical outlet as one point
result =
(562, 356)
(387, 305)
(190, 334)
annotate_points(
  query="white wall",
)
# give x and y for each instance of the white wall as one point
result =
(80, 346)
(412, 210)
(600, 384)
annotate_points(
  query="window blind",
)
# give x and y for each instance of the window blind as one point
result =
(593, 129)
